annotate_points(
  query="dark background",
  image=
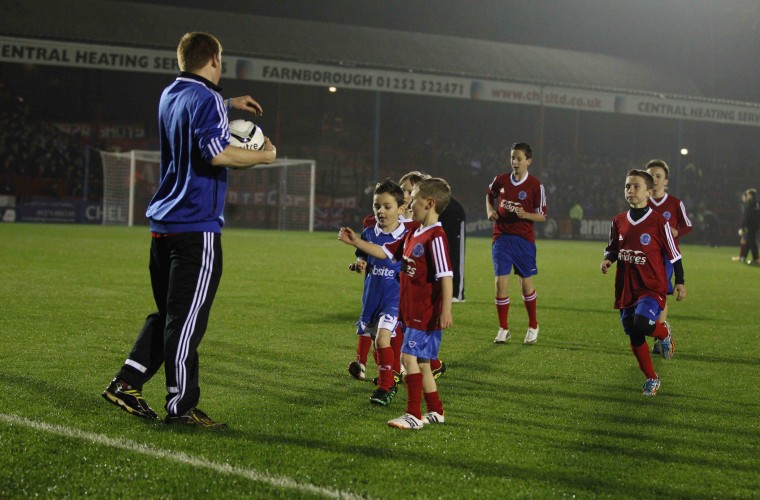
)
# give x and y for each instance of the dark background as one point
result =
(715, 42)
(580, 155)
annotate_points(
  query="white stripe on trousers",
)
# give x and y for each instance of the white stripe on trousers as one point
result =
(188, 328)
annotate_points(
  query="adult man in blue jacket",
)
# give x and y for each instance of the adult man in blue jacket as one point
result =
(186, 219)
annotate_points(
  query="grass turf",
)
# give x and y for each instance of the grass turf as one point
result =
(563, 417)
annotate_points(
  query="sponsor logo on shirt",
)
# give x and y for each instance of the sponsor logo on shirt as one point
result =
(633, 256)
(510, 206)
(383, 271)
(408, 268)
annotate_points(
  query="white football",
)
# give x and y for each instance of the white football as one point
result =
(246, 135)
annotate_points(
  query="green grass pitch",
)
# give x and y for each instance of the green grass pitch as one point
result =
(562, 418)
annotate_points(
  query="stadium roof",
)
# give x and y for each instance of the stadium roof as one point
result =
(145, 25)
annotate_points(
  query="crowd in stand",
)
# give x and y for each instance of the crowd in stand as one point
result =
(592, 181)
(39, 159)
(36, 158)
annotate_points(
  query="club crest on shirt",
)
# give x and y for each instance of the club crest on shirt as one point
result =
(522, 195)
(645, 239)
(666, 215)
(418, 250)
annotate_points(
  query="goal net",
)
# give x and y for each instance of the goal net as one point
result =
(275, 196)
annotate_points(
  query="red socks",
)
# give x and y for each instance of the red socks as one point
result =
(362, 348)
(502, 309)
(645, 360)
(530, 306)
(385, 368)
(660, 331)
(414, 397)
(433, 402)
(413, 394)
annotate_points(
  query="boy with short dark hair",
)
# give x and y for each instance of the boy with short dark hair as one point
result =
(379, 317)
(425, 298)
(640, 240)
(520, 202)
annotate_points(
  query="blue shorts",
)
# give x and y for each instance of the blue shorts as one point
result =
(647, 307)
(510, 251)
(422, 344)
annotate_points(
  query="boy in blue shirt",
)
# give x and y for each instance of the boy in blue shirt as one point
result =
(379, 318)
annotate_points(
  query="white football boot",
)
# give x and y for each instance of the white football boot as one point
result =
(502, 336)
(406, 421)
(432, 417)
(532, 336)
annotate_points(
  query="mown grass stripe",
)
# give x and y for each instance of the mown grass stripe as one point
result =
(180, 457)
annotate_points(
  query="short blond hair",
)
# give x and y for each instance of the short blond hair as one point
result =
(195, 49)
(437, 189)
(413, 177)
(659, 163)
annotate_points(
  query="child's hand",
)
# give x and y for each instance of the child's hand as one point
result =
(606, 265)
(358, 266)
(347, 235)
(445, 320)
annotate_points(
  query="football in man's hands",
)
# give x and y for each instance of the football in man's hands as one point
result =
(246, 135)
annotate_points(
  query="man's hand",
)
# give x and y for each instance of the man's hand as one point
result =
(680, 292)
(246, 103)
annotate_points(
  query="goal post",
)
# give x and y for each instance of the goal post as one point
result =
(129, 180)
(280, 195)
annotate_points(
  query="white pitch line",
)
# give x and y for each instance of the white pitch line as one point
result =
(183, 458)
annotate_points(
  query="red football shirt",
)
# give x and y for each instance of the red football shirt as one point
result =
(424, 254)
(674, 212)
(528, 193)
(641, 247)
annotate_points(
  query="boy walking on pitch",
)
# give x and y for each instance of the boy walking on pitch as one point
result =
(520, 202)
(407, 183)
(379, 318)
(425, 298)
(640, 241)
(674, 212)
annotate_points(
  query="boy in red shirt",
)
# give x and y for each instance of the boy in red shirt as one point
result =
(515, 202)
(640, 240)
(674, 212)
(425, 302)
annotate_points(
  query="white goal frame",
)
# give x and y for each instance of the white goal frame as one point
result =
(123, 171)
